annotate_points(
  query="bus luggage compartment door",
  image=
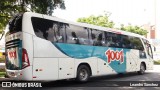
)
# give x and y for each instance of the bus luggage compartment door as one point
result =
(45, 69)
(66, 68)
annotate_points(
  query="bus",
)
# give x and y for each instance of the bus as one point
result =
(41, 47)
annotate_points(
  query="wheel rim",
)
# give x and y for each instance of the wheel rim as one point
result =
(83, 74)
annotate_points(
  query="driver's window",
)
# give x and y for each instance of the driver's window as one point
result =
(150, 51)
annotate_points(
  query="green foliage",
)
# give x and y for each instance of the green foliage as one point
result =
(8, 8)
(45, 6)
(157, 62)
(134, 29)
(2, 60)
(2, 73)
(102, 20)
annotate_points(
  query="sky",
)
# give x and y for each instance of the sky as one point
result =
(135, 12)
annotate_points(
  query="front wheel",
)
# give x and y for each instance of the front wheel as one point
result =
(142, 69)
(83, 73)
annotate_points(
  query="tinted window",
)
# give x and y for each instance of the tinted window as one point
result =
(49, 30)
(77, 35)
(96, 37)
(127, 42)
(122, 41)
(137, 44)
(112, 40)
(62, 32)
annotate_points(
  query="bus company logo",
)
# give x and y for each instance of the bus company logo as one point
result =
(12, 54)
(115, 56)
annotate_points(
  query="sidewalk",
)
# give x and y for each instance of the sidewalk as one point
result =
(3, 79)
(2, 65)
(156, 68)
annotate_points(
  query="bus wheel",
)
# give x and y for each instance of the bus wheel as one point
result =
(142, 69)
(83, 73)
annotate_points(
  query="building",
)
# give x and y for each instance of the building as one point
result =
(150, 29)
(152, 37)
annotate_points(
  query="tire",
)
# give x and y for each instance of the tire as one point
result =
(142, 69)
(83, 73)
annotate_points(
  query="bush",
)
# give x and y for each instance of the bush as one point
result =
(2, 74)
(157, 62)
(2, 70)
(2, 60)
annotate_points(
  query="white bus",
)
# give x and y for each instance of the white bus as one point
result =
(41, 47)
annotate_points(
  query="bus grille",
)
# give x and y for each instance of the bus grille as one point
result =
(13, 43)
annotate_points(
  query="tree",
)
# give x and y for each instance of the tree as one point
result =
(101, 20)
(134, 29)
(8, 8)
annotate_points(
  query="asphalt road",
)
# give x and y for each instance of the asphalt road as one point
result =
(106, 82)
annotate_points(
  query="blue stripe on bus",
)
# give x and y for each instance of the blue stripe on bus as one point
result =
(20, 53)
(84, 51)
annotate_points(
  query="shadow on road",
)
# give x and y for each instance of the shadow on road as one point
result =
(100, 81)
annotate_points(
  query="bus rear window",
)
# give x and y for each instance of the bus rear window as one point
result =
(15, 24)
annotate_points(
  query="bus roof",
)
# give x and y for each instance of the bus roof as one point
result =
(84, 24)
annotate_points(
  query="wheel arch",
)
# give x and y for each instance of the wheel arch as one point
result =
(86, 64)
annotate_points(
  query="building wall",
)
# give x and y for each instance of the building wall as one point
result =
(152, 32)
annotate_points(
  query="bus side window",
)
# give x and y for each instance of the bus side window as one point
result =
(138, 43)
(77, 35)
(97, 37)
(108, 39)
(75, 38)
(125, 42)
(69, 35)
(51, 32)
(58, 33)
(62, 34)
(82, 35)
(112, 40)
(55, 33)
(48, 29)
(41, 26)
